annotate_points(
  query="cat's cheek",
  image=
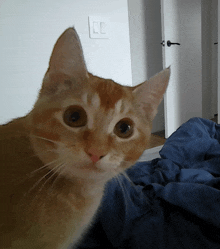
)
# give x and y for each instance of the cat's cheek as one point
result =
(133, 150)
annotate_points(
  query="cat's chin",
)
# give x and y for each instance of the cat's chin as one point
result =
(92, 167)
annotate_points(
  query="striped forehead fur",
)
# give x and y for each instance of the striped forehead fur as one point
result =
(95, 101)
(91, 100)
(119, 107)
(108, 91)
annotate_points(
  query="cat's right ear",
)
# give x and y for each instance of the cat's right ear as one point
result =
(67, 56)
(150, 93)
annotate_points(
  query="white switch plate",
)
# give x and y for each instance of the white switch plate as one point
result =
(99, 27)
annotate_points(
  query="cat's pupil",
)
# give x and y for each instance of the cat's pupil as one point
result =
(124, 128)
(75, 116)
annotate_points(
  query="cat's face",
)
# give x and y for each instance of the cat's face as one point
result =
(88, 127)
(90, 131)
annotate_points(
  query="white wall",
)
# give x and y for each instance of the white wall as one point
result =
(138, 40)
(146, 50)
(28, 31)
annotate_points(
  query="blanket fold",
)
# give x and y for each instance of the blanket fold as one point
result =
(174, 201)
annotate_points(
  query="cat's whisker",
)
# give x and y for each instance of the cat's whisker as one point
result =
(58, 175)
(54, 181)
(43, 177)
(140, 193)
(34, 198)
(37, 183)
(43, 167)
(56, 170)
(31, 174)
(43, 153)
(123, 188)
(46, 139)
(132, 185)
(127, 177)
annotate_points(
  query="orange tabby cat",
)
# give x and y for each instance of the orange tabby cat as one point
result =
(55, 161)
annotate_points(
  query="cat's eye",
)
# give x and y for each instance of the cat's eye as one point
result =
(75, 116)
(124, 128)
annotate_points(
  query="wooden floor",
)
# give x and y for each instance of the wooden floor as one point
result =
(158, 138)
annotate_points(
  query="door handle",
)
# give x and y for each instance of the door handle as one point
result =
(215, 43)
(163, 43)
(169, 43)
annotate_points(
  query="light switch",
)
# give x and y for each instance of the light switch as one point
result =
(103, 27)
(99, 27)
(96, 27)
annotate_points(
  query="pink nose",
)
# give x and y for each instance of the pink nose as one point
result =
(95, 155)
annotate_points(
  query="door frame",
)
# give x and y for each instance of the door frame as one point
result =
(218, 62)
(183, 98)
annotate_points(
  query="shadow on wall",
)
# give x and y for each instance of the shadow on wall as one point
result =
(146, 50)
(154, 51)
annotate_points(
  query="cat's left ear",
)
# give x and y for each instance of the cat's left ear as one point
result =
(150, 93)
(67, 56)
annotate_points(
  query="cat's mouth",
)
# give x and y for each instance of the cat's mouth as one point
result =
(92, 167)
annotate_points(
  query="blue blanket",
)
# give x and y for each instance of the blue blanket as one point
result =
(174, 201)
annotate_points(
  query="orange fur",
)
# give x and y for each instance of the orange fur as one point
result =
(109, 92)
(53, 173)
